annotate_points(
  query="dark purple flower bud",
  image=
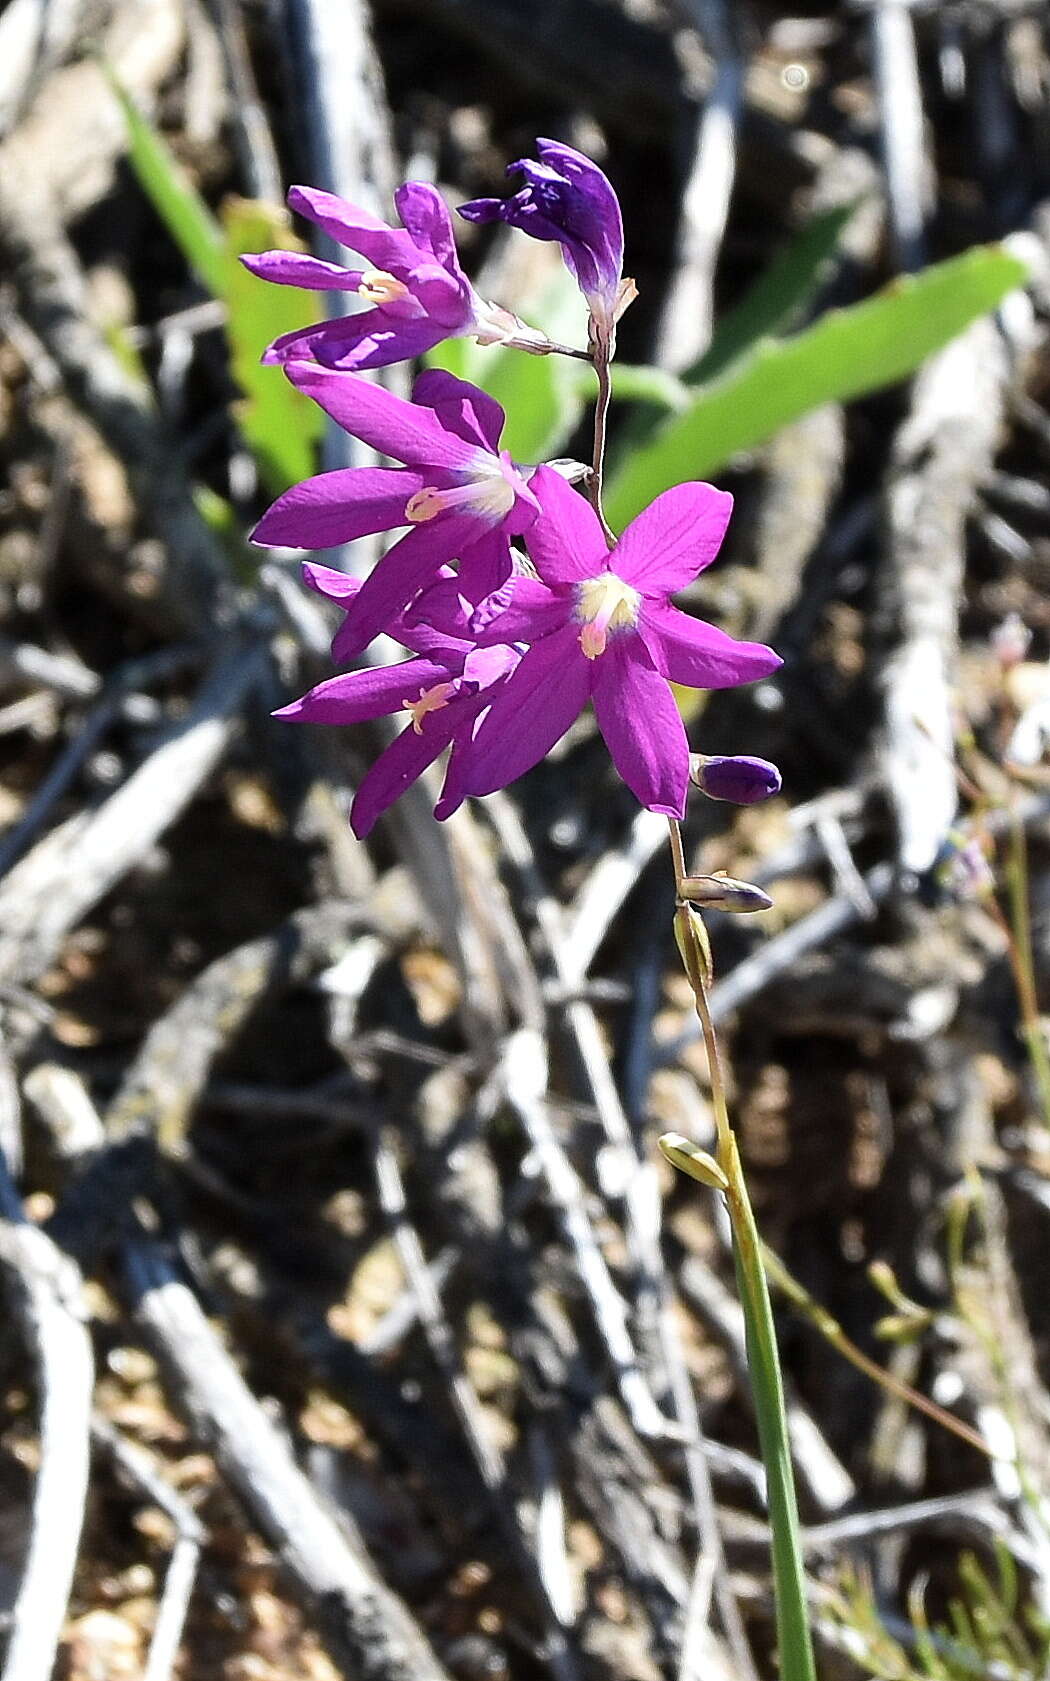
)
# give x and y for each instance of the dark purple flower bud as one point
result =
(567, 198)
(741, 779)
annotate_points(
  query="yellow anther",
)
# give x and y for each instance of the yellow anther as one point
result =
(428, 700)
(425, 504)
(379, 287)
(603, 604)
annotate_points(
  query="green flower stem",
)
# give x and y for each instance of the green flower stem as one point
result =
(789, 1584)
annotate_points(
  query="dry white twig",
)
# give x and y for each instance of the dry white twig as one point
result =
(46, 1288)
(940, 456)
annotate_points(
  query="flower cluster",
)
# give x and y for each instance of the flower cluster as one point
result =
(506, 590)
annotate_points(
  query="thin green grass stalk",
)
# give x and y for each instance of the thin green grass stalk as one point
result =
(830, 1329)
(1021, 955)
(789, 1583)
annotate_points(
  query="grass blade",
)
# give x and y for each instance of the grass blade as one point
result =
(845, 354)
(778, 296)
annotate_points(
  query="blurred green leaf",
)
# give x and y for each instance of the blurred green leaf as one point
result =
(639, 383)
(778, 296)
(279, 424)
(843, 355)
(543, 396)
(176, 201)
(127, 354)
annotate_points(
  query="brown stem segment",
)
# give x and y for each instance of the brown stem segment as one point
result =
(602, 359)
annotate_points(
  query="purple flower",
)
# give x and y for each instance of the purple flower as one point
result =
(443, 688)
(741, 779)
(418, 293)
(460, 493)
(602, 628)
(567, 198)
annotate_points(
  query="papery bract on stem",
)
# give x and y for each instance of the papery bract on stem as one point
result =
(460, 493)
(417, 291)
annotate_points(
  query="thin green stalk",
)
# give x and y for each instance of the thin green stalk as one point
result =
(832, 1332)
(789, 1583)
(1022, 963)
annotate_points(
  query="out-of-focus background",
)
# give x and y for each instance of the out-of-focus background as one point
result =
(352, 1324)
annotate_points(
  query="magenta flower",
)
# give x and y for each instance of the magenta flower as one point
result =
(418, 293)
(460, 492)
(443, 688)
(602, 628)
(567, 198)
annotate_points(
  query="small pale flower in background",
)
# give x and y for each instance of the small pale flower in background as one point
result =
(460, 493)
(963, 866)
(567, 198)
(417, 292)
(443, 688)
(601, 628)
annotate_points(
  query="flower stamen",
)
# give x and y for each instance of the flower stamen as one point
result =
(428, 700)
(490, 496)
(378, 287)
(604, 604)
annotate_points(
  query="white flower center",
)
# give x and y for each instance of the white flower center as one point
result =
(604, 604)
(489, 494)
(428, 700)
(376, 286)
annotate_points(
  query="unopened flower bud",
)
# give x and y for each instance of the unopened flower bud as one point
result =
(689, 1158)
(741, 779)
(723, 893)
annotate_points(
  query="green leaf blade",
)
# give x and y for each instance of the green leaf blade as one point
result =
(543, 397)
(178, 204)
(778, 296)
(281, 426)
(846, 354)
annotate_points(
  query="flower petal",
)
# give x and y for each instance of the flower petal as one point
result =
(441, 607)
(406, 431)
(399, 576)
(357, 229)
(486, 566)
(402, 763)
(484, 667)
(701, 656)
(292, 268)
(532, 711)
(426, 217)
(356, 696)
(326, 581)
(336, 507)
(642, 726)
(373, 339)
(566, 541)
(475, 416)
(673, 539)
(531, 612)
